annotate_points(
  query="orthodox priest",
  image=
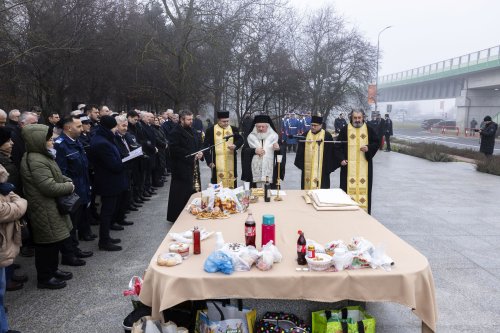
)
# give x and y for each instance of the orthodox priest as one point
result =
(315, 157)
(259, 154)
(356, 172)
(183, 141)
(222, 157)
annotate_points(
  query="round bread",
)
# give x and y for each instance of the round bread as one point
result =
(169, 259)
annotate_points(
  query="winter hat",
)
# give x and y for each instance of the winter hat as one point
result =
(108, 122)
(5, 135)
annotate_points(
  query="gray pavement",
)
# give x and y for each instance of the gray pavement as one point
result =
(448, 211)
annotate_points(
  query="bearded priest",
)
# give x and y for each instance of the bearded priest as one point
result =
(315, 157)
(356, 172)
(258, 157)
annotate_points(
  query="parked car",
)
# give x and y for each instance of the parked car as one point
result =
(427, 124)
(445, 124)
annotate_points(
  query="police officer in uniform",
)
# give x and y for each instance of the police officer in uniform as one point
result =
(72, 161)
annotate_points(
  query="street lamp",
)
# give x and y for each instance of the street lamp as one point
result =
(376, 74)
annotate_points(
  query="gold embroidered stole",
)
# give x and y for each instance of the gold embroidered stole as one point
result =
(357, 166)
(224, 158)
(313, 167)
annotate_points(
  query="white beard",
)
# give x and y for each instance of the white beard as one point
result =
(262, 167)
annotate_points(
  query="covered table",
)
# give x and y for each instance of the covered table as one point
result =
(410, 282)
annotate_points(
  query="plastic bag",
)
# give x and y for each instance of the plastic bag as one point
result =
(381, 259)
(218, 261)
(243, 256)
(265, 262)
(273, 250)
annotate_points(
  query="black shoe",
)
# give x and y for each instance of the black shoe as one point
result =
(138, 201)
(52, 283)
(72, 261)
(145, 198)
(12, 285)
(27, 251)
(115, 240)
(109, 247)
(12, 331)
(146, 195)
(116, 227)
(125, 223)
(133, 209)
(19, 278)
(84, 254)
(62, 275)
(86, 238)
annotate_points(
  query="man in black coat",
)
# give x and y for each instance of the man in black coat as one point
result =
(183, 142)
(146, 136)
(222, 159)
(109, 180)
(339, 123)
(388, 132)
(487, 133)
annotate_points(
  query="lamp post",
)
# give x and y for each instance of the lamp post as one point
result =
(376, 74)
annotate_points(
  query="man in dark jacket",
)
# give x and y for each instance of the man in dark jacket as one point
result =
(388, 132)
(125, 201)
(487, 133)
(138, 166)
(339, 123)
(109, 178)
(148, 140)
(73, 163)
(183, 142)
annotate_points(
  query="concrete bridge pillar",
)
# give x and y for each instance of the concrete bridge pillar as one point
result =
(476, 103)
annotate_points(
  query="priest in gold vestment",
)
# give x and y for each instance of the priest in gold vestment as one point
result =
(356, 172)
(315, 158)
(222, 158)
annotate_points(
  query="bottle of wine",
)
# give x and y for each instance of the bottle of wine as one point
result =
(267, 190)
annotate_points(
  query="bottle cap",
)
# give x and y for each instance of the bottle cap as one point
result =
(268, 219)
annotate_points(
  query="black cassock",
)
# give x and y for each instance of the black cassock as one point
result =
(373, 145)
(182, 142)
(247, 154)
(329, 161)
(210, 153)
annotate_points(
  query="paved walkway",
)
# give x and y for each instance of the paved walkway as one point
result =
(448, 211)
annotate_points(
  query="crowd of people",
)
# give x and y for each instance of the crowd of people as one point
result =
(113, 160)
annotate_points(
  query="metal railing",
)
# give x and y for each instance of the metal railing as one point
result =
(475, 61)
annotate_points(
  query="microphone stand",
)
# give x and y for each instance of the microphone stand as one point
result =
(202, 150)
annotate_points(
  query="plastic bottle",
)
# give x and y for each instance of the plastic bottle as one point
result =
(250, 230)
(268, 229)
(219, 241)
(267, 190)
(301, 249)
(196, 241)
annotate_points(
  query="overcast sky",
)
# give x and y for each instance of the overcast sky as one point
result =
(423, 32)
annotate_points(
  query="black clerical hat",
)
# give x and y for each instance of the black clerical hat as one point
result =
(316, 120)
(223, 114)
(262, 118)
